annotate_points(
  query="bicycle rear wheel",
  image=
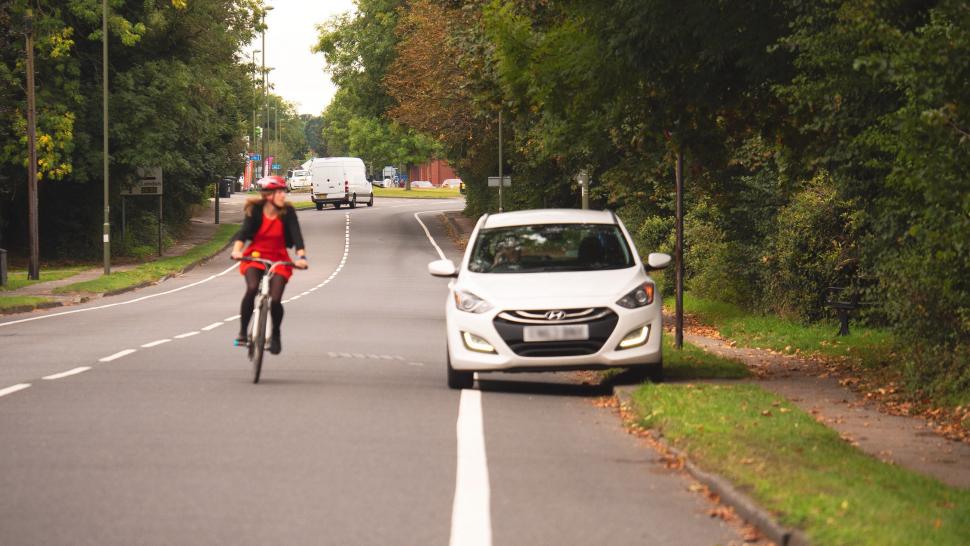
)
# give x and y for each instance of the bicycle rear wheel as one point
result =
(259, 338)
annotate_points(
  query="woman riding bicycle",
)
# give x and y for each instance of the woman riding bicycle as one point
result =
(270, 223)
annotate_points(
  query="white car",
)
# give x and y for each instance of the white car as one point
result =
(297, 179)
(551, 290)
(422, 184)
(451, 183)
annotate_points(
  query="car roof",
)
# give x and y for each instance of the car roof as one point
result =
(549, 216)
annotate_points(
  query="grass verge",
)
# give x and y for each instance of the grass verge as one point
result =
(692, 362)
(866, 345)
(21, 302)
(418, 193)
(18, 278)
(153, 271)
(801, 470)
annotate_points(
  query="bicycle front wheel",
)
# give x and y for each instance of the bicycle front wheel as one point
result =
(259, 338)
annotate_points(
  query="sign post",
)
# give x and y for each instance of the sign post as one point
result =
(147, 182)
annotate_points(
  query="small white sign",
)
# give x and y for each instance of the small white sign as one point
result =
(147, 182)
(493, 181)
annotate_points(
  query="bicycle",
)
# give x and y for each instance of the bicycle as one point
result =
(256, 336)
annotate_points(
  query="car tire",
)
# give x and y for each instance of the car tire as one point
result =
(353, 201)
(319, 206)
(458, 379)
(371, 202)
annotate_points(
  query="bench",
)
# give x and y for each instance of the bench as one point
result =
(843, 306)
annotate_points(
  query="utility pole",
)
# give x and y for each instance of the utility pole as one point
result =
(252, 58)
(679, 250)
(106, 233)
(33, 261)
(501, 181)
(266, 9)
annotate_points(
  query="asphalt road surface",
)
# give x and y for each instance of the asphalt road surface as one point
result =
(133, 419)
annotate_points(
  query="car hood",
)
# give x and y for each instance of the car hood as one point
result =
(559, 289)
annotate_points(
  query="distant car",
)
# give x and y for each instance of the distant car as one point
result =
(387, 183)
(422, 184)
(452, 183)
(298, 179)
(551, 290)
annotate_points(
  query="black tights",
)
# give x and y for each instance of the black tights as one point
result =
(276, 285)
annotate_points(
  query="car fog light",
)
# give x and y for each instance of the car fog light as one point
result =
(477, 344)
(635, 338)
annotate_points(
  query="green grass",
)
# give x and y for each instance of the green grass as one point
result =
(10, 302)
(771, 332)
(801, 470)
(692, 362)
(17, 278)
(418, 193)
(153, 271)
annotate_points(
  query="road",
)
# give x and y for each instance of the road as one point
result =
(141, 424)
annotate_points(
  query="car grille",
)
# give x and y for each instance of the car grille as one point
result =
(601, 322)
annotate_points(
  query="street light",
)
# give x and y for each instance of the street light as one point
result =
(252, 59)
(266, 9)
(106, 233)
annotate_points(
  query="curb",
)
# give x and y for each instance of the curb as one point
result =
(729, 494)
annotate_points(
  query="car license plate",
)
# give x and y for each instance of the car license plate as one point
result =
(563, 332)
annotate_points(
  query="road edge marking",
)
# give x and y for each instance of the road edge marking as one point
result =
(117, 355)
(471, 517)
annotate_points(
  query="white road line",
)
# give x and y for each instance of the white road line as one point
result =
(186, 334)
(117, 355)
(212, 326)
(471, 519)
(230, 319)
(155, 343)
(68, 373)
(415, 363)
(136, 300)
(428, 233)
(13, 389)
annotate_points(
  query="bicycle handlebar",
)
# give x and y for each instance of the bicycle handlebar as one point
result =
(269, 263)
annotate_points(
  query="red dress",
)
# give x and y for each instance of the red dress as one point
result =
(270, 242)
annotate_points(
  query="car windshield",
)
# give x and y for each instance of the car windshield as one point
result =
(550, 247)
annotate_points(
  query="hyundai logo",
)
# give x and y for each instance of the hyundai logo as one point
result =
(555, 315)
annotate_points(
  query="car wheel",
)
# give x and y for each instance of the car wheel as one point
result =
(319, 206)
(458, 379)
(353, 201)
(371, 202)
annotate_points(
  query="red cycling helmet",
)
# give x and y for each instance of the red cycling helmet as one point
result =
(271, 183)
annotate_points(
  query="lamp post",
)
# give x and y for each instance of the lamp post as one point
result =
(252, 58)
(33, 261)
(106, 233)
(266, 9)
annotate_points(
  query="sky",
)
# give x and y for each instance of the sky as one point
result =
(298, 74)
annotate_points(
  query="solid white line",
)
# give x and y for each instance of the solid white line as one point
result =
(155, 343)
(136, 300)
(428, 233)
(212, 326)
(13, 389)
(471, 519)
(186, 334)
(117, 355)
(75, 371)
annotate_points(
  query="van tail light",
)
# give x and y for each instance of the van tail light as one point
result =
(346, 186)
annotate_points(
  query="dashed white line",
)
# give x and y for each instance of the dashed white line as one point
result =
(212, 326)
(471, 520)
(155, 343)
(117, 355)
(14, 388)
(68, 373)
(230, 319)
(187, 334)
(415, 363)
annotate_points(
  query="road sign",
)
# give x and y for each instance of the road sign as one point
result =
(255, 157)
(493, 181)
(276, 165)
(147, 182)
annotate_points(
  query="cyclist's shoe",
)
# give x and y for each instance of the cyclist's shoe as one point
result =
(275, 345)
(240, 341)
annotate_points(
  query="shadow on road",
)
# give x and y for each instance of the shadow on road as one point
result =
(544, 388)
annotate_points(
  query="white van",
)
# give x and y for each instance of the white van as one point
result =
(340, 180)
(297, 179)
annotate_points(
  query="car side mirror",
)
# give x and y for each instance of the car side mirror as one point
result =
(442, 268)
(657, 261)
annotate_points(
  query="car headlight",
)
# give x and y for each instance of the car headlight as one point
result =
(470, 303)
(640, 296)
